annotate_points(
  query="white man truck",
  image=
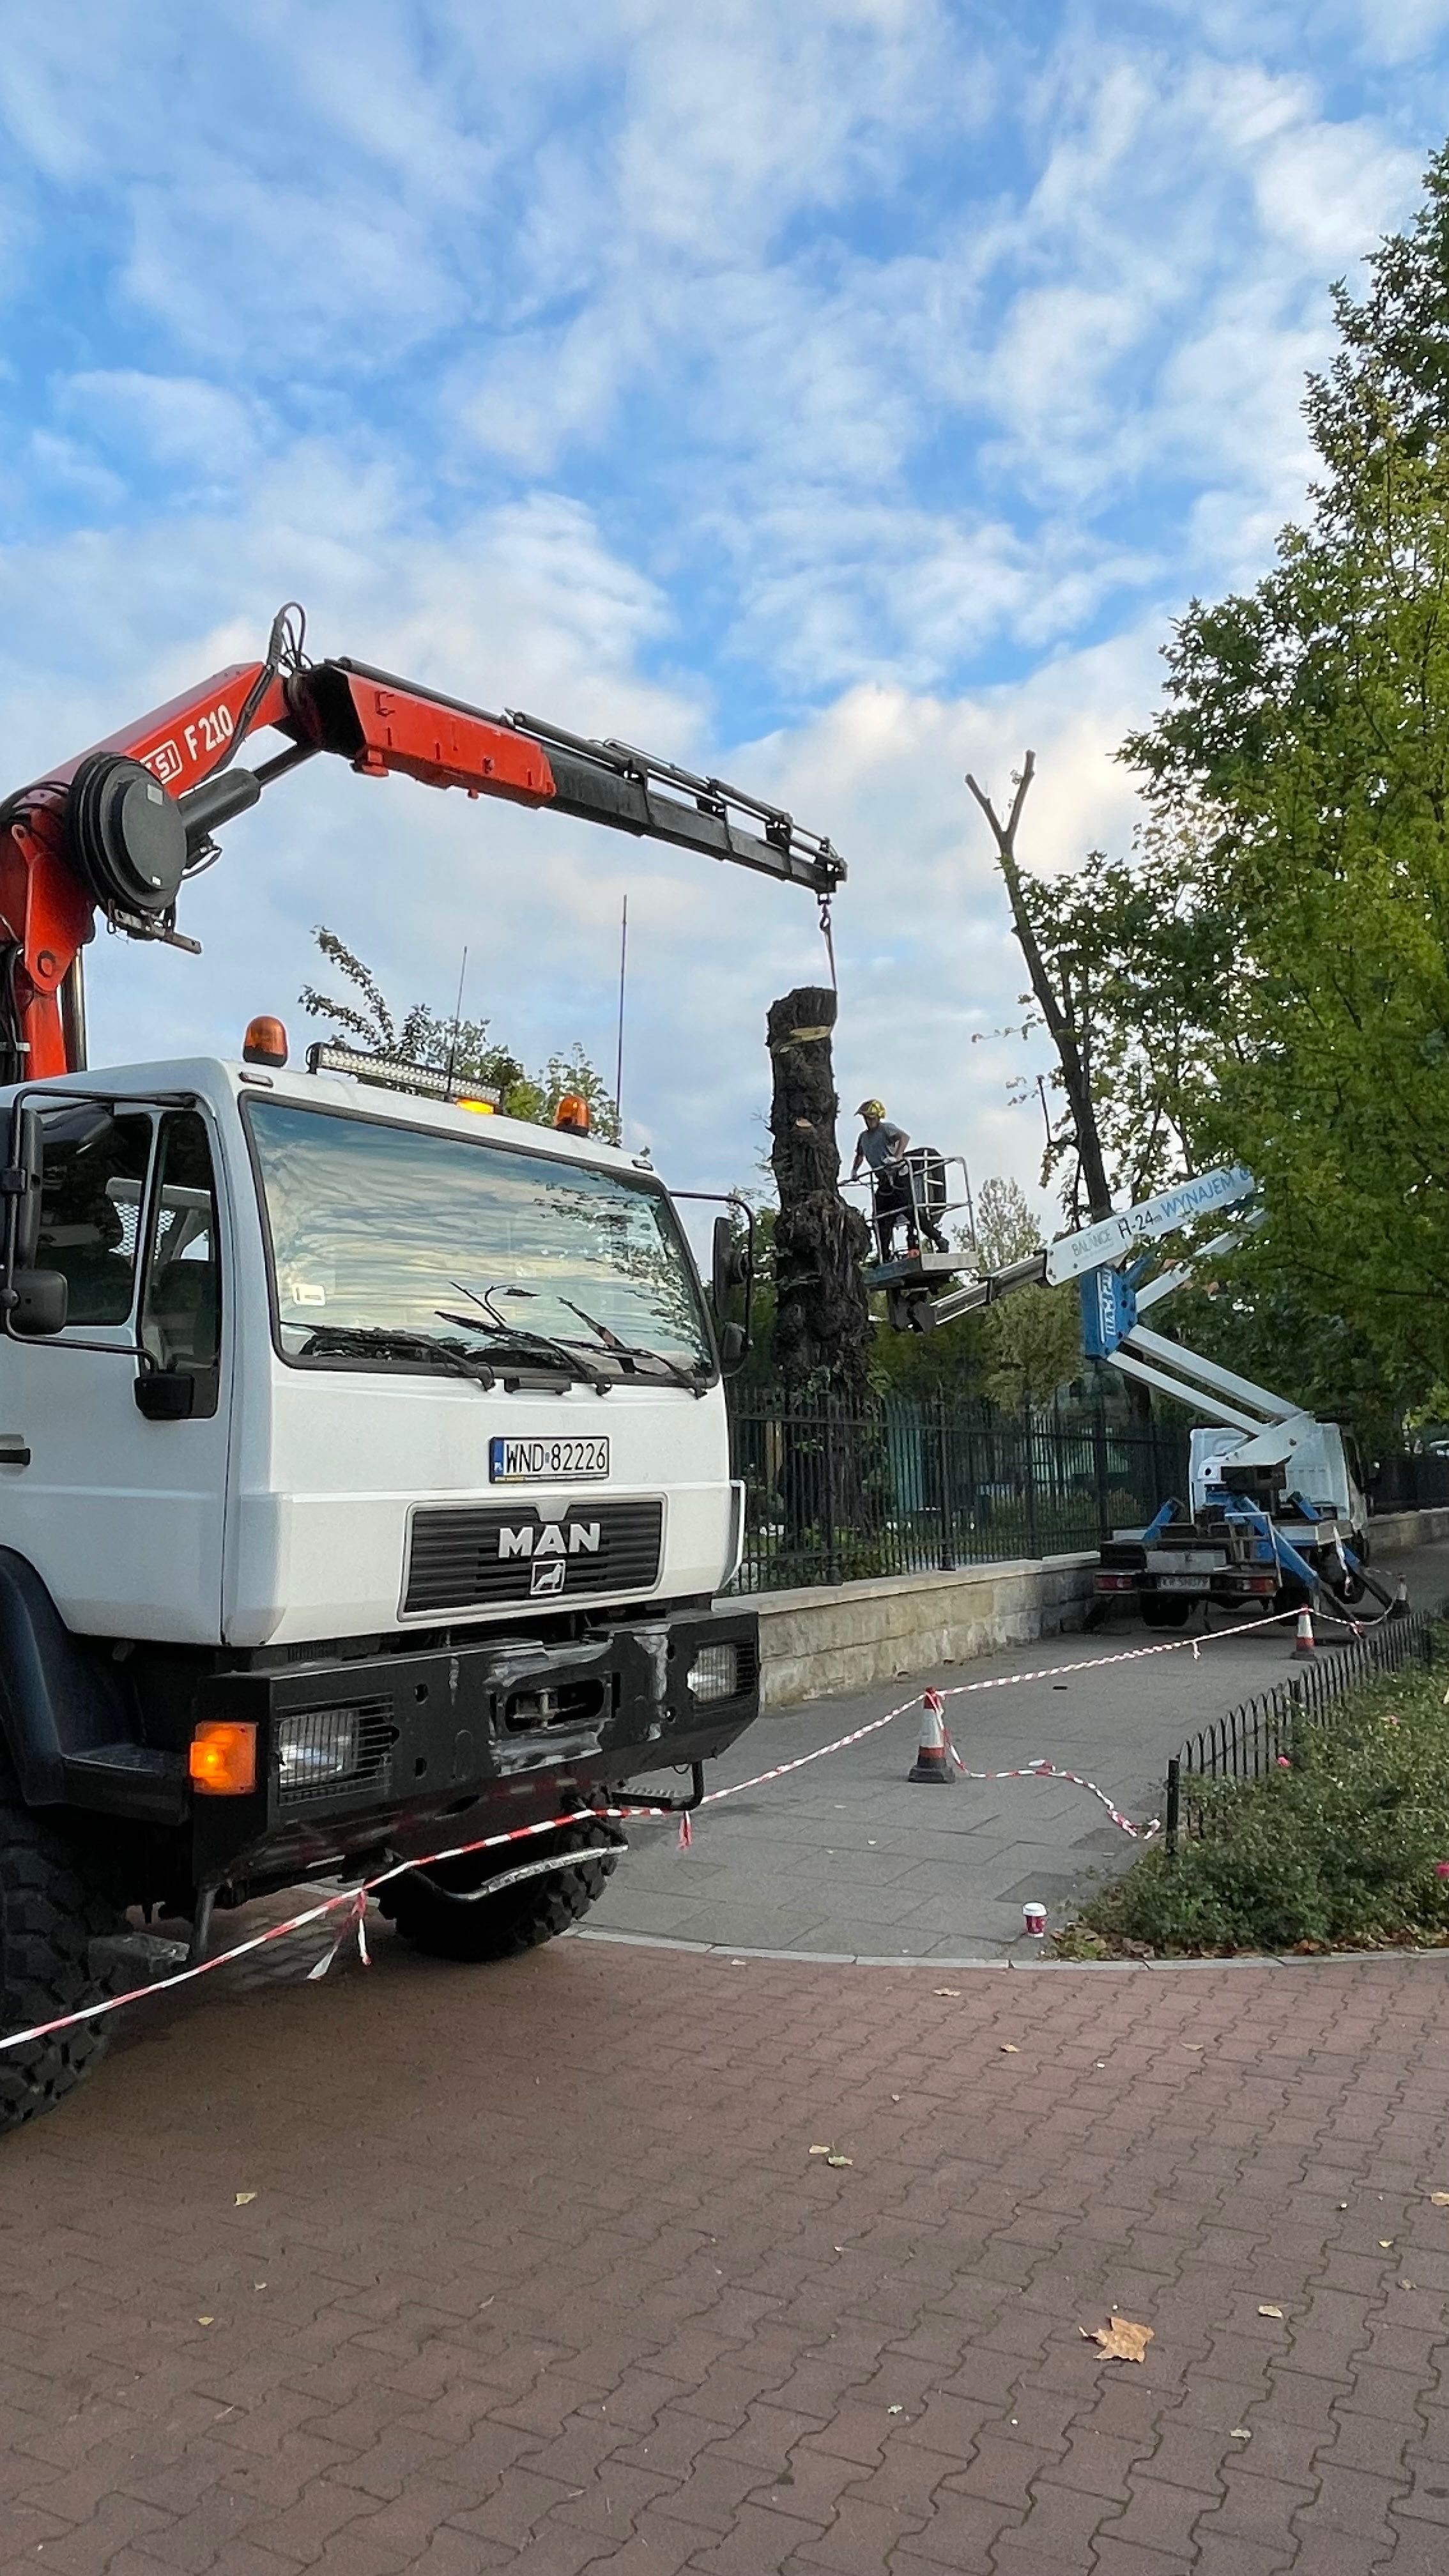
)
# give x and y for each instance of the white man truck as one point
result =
(364, 1465)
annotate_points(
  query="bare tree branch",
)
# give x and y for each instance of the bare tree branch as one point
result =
(1056, 1009)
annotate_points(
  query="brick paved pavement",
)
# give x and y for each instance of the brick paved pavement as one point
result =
(540, 2275)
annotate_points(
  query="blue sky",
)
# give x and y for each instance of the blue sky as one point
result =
(841, 394)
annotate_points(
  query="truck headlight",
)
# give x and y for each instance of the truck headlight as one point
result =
(316, 1746)
(715, 1673)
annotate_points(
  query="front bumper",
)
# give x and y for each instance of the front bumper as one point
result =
(451, 1744)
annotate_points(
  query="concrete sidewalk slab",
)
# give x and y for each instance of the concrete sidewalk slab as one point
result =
(847, 1856)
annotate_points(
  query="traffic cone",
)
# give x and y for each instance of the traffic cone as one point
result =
(933, 1757)
(1304, 1649)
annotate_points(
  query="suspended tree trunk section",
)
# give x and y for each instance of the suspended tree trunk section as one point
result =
(822, 1319)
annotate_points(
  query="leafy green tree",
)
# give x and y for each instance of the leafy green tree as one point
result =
(421, 1035)
(1033, 1339)
(1269, 977)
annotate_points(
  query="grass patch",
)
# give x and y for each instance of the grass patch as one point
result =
(1346, 1848)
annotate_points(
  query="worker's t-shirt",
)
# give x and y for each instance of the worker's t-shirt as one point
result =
(880, 1144)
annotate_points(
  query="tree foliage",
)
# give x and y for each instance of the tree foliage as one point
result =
(1268, 977)
(1032, 1339)
(421, 1035)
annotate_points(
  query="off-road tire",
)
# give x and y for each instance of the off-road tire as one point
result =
(50, 1912)
(426, 1910)
(1168, 1613)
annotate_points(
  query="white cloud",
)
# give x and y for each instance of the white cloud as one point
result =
(890, 372)
(179, 423)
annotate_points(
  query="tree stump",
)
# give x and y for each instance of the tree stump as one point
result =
(822, 1317)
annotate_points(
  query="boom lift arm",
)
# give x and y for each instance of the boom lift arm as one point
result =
(1114, 1297)
(1115, 1293)
(118, 830)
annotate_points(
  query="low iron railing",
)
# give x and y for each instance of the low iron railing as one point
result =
(836, 1492)
(1253, 1738)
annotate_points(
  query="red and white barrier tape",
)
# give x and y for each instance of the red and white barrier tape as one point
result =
(1004, 1681)
(354, 1899)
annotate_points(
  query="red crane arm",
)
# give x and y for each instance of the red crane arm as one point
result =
(117, 829)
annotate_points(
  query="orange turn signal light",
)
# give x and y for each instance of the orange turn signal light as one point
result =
(573, 1113)
(223, 1758)
(265, 1041)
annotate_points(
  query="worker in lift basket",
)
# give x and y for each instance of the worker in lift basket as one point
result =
(882, 1147)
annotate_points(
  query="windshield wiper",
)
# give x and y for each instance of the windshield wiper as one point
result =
(380, 1341)
(625, 1351)
(521, 1337)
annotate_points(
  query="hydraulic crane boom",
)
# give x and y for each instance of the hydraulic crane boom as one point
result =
(118, 830)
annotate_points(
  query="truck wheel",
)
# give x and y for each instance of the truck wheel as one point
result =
(438, 1912)
(1165, 1614)
(50, 1912)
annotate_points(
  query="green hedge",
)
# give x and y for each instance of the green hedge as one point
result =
(1347, 1846)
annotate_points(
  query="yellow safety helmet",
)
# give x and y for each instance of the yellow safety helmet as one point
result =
(871, 1109)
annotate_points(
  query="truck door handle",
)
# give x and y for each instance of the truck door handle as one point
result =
(14, 1449)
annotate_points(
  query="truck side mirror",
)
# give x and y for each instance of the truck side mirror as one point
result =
(30, 1162)
(42, 1301)
(732, 1345)
(728, 1267)
(166, 1395)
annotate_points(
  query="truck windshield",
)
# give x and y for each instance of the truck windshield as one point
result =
(385, 1236)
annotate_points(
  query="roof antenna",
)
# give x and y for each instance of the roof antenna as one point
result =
(457, 1016)
(619, 1052)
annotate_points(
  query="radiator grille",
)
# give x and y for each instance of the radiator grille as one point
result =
(470, 1558)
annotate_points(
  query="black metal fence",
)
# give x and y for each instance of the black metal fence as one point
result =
(1249, 1742)
(1411, 1483)
(835, 1492)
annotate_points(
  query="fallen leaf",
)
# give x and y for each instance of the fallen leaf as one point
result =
(1240, 2433)
(895, 2410)
(243, 2197)
(1406, 2285)
(1440, 2199)
(895, 2097)
(819, 2151)
(1196, 2046)
(840, 2160)
(1269, 2311)
(954, 1992)
(1384, 2243)
(206, 2321)
(1009, 2048)
(1120, 2339)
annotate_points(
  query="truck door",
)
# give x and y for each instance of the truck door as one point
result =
(120, 1514)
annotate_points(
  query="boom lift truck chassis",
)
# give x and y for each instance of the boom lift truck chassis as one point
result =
(1275, 1511)
(364, 1467)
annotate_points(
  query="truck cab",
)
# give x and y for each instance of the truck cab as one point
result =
(364, 1485)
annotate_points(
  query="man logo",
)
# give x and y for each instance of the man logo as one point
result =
(547, 1577)
(579, 1538)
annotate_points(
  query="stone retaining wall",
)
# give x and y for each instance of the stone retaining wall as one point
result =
(853, 1635)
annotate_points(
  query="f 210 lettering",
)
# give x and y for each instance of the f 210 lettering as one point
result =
(531, 1462)
(212, 731)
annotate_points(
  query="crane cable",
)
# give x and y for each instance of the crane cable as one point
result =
(828, 937)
